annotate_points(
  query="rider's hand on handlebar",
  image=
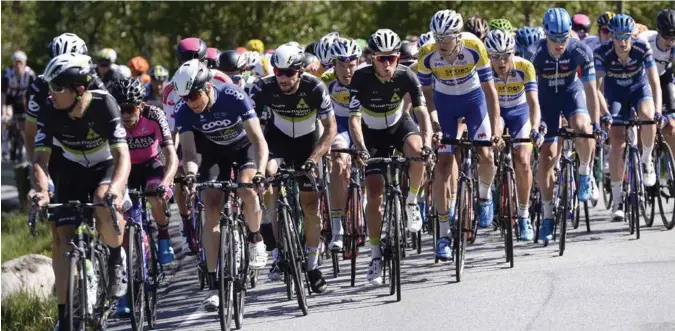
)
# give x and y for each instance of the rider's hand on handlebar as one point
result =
(661, 120)
(116, 198)
(498, 142)
(41, 199)
(361, 158)
(259, 179)
(537, 137)
(311, 168)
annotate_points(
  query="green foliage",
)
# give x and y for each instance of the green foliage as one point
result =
(17, 240)
(152, 28)
(25, 311)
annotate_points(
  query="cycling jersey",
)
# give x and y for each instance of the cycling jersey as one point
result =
(521, 79)
(593, 42)
(171, 102)
(558, 74)
(663, 58)
(470, 68)
(295, 115)
(149, 136)
(222, 124)
(38, 92)
(14, 87)
(380, 104)
(87, 140)
(339, 94)
(152, 98)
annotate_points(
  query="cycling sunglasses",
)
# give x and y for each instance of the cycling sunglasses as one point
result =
(56, 88)
(193, 96)
(285, 72)
(502, 56)
(387, 58)
(128, 108)
(445, 37)
(559, 38)
(621, 36)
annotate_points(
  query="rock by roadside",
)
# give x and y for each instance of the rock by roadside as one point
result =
(31, 272)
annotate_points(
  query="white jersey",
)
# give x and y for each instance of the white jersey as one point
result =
(171, 101)
(663, 58)
(593, 42)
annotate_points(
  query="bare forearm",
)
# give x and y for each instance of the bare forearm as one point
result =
(429, 98)
(325, 141)
(655, 84)
(29, 138)
(171, 163)
(356, 133)
(424, 120)
(40, 179)
(122, 166)
(592, 101)
(535, 111)
(261, 155)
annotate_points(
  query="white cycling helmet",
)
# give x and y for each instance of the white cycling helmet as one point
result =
(500, 42)
(446, 22)
(344, 48)
(425, 39)
(252, 58)
(69, 69)
(124, 70)
(384, 40)
(190, 77)
(67, 43)
(19, 56)
(322, 48)
(287, 57)
(107, 54)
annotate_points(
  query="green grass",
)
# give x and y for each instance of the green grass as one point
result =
(25, 311)
(17, 240)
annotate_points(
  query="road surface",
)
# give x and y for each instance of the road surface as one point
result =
(606, 280)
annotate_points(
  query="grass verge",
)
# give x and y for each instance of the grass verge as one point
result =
(17, 239)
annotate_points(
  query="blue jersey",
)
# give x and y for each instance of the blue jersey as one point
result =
(223, 122)
(555, 75)
(619, 76)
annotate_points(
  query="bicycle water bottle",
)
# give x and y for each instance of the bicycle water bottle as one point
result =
(92, 286)
(632, 136)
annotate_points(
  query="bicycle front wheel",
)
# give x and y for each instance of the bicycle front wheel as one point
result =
(152, 282)
(567, 204)
(76, 301)
(226, 263)
(509, 213)
(291, 245)
(665, 183)
(135, 274)
(464, 213)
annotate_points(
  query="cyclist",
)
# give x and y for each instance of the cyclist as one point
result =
(603, 31)
(378, 121)
(297, 101)
(212, 56)
(312, 64)
(662, 43)
(15, 82)
(256, 45)
(581, 24)
(628, 77)
(106, 68)
(478, 26)
(525, 37)
(458, 82)
(345, 54)
(123, 70)
(409, 52)
(501, 24)
(556, 60)
(159, 77)
(516, 85)
(139, 67)
(227, 119)
(233, 64)
(86, 125)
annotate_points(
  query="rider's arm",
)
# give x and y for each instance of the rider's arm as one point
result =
(600, 86)
(654, 81)
(166, 143)
(585, 60)
(492, 103)
(424, 75)
(327, 117)
(419, 107)
(43, 150)
(254, 132)
(189, 153)
(113, 131)
(532, 94)
(355, 130)
(32, 112)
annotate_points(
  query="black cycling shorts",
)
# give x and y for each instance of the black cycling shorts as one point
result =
(381, 143)
(293, 151)
(224, 157)
(668, 92)
(74, 181)
(146, 173)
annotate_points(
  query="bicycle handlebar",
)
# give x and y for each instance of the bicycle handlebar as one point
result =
(466, 142)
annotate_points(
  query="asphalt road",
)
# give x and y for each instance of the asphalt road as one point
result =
(606, 280)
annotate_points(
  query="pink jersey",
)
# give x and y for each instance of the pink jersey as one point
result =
(150, 135)
(171, 101)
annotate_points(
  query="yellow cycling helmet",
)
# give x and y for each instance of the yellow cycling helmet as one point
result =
(255, 45)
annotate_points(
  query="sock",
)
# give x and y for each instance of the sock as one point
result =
(115, 257)
(453, 200)
(163, 231)
(254, 237)
(484, 191)
(412, 195)
(336, 221)
(375, 251)
(523, 211)
(617, 191)
(313, 258)
(62, 314)
(647, 154)
(188, 227)
(584, 168)
(444, 225)
(548, 209)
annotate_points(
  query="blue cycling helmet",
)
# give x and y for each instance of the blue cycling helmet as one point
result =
(621, 23)
(526, 37)
(557, 22)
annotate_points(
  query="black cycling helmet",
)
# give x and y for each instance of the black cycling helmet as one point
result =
(409, 51)
(212, 54)
(604, 18)
(231, 60)
(478, 26)
(310, 48)
(191, 48)
(665, 23)
(128, 91)
(309, 58)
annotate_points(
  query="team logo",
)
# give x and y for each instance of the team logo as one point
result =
(303, 105)
(235, 93)
(40, 136)
(211, 125)
(119, 133)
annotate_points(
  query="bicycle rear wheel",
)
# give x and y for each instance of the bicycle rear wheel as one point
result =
(562, 217)
(76, 301)
(665, 181)
(135, 275)
(226, 264)
(464, 198)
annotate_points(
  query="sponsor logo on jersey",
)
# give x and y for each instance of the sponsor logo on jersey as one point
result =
(234, 93)
(40, 136)
(213, 124)
(140, 142)
(119, 133)
(395, 98)
(302, 104)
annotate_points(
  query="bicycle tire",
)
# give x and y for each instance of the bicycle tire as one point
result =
(295, 263)
(576, 215)
(100, 255)
(562, 217)
(460, 237)
(242, 274)
(153, 277)
(226, 264)
(135, 283)
(508, 216)
(665, 156)
(535, 213)
(598, 164)
(635, 193)
(76, 296)
(354, 212)
(398, 219)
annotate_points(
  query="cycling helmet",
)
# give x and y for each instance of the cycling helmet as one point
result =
(640, 28)
(212, 57)
(408, 51)
(19, 56)
(557, 22)
(241, 49)
(322, 49)
(345, 49)
(604, 18)
(255, 45)
(128, 91)
(425, 38)
(581, 22)
(526, 37)
(478, 26)
(231, 60)
(574, 35)
(107, 54)
(190, 77)
(621, 23)
(252, 58)
(191, 48)
(311, 47)
(540, 32)
(139, 65)
(446, 22)
(501, 24)
(310, 62)
(288, 57)
(69, 70)
(159, 73)
(384, 40)
(499, 42)
(67, 43)
(665, 23)
(125, 71)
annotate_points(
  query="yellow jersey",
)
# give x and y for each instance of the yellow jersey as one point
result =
(464, 75)
(339, 94)
(521, 79)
